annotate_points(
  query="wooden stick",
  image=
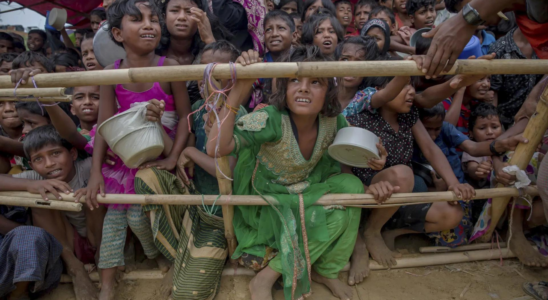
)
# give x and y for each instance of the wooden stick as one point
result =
(225, 187)
(405, 262)
(42, 99)
(278, 70)
(470, 247)
(39, 203)
(534, 132)
(42, 92)
(329, 199)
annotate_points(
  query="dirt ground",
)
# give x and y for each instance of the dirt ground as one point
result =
(470, 281)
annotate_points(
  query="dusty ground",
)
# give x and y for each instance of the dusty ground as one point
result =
(472, 281)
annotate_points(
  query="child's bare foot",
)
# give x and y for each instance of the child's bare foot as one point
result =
(378, 249)
(359, 263)
(84, 289)
(261, 285)
(107, 292)
(163, 263)
(526, 254)
(337, 287)
(167, 285)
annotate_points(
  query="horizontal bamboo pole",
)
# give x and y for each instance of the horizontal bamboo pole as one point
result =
(422, 260)
(329, 199)
(39, 203)
(41, 92)
(278, 70)
(41, 99)
(480, 246)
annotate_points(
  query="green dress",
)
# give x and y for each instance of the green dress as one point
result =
(270, 164)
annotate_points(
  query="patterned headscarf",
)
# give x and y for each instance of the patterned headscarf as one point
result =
(382, 25)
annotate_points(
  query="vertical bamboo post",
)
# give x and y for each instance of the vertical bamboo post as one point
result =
(534, 132)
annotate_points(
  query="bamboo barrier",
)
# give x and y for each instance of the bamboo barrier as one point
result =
(41, 99)
(480, 246)
(41, 92)
(534, 132)
(329, 199)
(422, 260)
(278, 70)
(39, 203)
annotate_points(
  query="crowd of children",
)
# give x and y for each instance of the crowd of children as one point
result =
(445, 133)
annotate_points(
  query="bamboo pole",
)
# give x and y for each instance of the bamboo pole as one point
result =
(41, 92)
(481, 246)
(534, 132)
(278, 70)
(225, 187)
(42, 99)
(422, 260)
(39, 203)
(329, 199)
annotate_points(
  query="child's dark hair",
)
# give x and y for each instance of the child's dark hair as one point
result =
(310, 27)
(219, 31)
(337, 2)
(482, 110)
(331, 106)
(366, 44)
(223, 46)
(41, 33)
(7, 57)
(451, 5)
(285, 2)
(67, 59)
(422, 45)
(120, 8)
(412, 6)
(327, 4)
(437, 110)
(379, 8)
(83, 31)
(28, 58)
(32, 107)
(382, 82)
(100, 12)
(43, 136)
(88, 36)
(281, 15)
(6, 37)
(371, 3)
(295, 16)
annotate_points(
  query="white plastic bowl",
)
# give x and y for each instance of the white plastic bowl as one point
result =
(354, 146)
(57, 18)
(132, 137)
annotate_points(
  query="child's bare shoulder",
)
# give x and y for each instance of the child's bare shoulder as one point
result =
(170, 62)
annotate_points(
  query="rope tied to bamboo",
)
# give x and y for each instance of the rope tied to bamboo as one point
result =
(41, 105)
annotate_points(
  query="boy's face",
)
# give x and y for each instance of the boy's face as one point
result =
(5, 67)
(480, 89)
(8, 115)
(85, 103)
(88, 56)
(220, 57)
(6, 46)
(344, 14)
(326, 38)
(290, 7)
(424, 17)
(361, 16)
(54, 162)
(486, 129)
(383, 16)
(433, 125)
(30, 120)
(35, 42)
(399, 6)
(277, 35)
(352, 52)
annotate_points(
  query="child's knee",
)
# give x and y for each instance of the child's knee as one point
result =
(403, 177)
(452, 215)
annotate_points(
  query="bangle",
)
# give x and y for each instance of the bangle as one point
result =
(493, 150)
(232, 109)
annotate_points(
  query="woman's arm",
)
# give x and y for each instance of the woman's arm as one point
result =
(66, 128)
(390, 92)
(453, 113)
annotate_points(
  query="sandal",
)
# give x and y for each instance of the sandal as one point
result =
(529, 289)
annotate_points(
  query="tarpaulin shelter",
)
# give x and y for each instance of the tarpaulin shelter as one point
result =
(77, 10)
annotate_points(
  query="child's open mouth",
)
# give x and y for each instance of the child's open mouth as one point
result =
(54, 172)
(148, 36)
(87, 111)
(346, 19)
(275, 42)
(91, 66)
(327, 44)
(302, 100)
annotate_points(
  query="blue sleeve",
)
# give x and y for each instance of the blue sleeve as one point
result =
(452, 135)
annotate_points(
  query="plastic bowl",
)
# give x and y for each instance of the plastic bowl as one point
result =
(415, 36)
(354, 146)
(57, 18)
(472, 48)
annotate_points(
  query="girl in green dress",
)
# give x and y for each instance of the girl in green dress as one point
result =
(282, 157)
